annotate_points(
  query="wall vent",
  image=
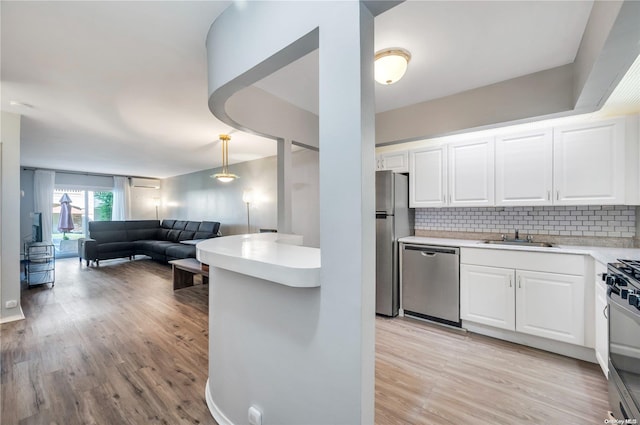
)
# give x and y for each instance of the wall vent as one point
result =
(146, 183)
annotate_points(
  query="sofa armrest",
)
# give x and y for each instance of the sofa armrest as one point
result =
(87, 249)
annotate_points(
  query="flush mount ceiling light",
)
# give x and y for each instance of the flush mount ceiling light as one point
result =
(390, 65)
(225, 176)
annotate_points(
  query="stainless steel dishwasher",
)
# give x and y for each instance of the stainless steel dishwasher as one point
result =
(430, 282)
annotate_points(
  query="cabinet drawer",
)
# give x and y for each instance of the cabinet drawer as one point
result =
(572, 264)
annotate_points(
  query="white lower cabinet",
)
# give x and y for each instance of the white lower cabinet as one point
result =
(550, 305)
(486, 296)
(540, 303)
(601, 320)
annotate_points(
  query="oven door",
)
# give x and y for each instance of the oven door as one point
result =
(624, 358)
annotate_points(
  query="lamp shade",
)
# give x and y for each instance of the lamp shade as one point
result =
(247, 196)
(390, 65)
(225, 176)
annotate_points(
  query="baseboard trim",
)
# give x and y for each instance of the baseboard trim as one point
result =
(214, 409)
(14, 318)
(570, 350)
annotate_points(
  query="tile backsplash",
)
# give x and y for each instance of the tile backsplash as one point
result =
(582, 221)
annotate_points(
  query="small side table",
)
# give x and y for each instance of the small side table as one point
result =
(185, 269)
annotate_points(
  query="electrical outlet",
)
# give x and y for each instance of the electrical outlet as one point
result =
(11, 304)
(255, 416)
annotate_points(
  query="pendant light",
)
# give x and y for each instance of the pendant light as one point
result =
(225, 176)
(390, 65)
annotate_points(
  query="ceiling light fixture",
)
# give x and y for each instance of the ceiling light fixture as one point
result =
(390, 65)
(225, 176)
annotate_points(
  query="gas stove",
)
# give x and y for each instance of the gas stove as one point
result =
(623, 279)
(623, 314)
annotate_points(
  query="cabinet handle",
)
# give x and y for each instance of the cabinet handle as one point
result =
(604, 311)
(519, 283)
(557, 195)
(548, 195)
(382, 163)
(510, 281)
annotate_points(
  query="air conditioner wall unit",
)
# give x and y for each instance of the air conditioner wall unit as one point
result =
(146, 183)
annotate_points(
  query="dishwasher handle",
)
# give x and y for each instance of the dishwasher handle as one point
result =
(430, 251)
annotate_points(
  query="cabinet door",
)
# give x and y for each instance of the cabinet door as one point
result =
(398, 162)
(589, 163)
(524, 168)
(601, 321)
(487, 295)
(471, 173)
(550, 305)
(427, 177)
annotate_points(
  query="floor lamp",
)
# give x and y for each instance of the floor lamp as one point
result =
(247, 198)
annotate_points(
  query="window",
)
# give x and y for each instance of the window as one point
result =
(85, 206)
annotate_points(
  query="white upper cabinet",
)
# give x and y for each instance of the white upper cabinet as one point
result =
(524, 168)
(589, 163)
(398, 162)
(471, 173)
(427, 177)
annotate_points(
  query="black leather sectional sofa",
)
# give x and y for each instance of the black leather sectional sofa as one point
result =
(160, 241)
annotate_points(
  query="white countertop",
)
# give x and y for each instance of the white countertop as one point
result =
(600, 254)
(274, 257)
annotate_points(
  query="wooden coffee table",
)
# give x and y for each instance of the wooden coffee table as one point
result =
(184, 270)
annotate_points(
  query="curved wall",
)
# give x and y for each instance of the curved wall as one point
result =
(331, 380)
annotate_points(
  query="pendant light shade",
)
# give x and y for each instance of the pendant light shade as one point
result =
(390, 65)
(225, 176)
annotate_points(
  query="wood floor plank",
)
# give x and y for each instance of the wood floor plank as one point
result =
(116, 345)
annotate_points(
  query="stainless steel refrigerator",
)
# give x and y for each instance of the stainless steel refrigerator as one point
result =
(393, 220)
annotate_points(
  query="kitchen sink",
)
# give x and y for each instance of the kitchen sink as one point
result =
(519, 243)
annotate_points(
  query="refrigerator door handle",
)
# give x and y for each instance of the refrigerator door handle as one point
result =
(428, 254)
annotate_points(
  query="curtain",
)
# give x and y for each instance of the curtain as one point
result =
(121, 199)
(43, 186)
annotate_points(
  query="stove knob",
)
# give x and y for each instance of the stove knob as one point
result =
(611, 280)
(624, 294)
(634, 300)
(621, 281)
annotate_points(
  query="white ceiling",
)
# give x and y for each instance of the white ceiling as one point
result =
(455, 46)
(120, 87)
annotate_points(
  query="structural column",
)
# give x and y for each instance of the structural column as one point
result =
(284, 186)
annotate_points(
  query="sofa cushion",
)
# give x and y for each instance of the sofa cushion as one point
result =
(140, 234)
(107, 231)
(162, 234)
(209, 227)
(173, 235)
(192, 226)
(179, 225)
(203, 235)
(141, 224)
(115, 247)
(168, 224)
(181, 251)
(186, 235)
(160, 247)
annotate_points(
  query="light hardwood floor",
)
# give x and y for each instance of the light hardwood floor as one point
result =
(116, 345)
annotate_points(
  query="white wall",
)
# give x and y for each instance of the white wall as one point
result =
(196, 196)
(10, 217)
(143, 203)
(333, 382)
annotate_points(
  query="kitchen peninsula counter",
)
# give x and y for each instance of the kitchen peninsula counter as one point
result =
(273, 257)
